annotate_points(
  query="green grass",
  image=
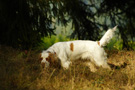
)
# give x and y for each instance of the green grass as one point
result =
(48, 41)
(21, 70)
(117, 44)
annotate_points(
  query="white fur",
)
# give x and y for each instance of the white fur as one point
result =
(107, 36)
(82, 49)
(43, 55)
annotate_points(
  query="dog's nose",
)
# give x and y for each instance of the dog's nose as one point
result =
(43, 64)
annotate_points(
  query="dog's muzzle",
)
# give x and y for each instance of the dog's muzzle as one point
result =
(42, 64)
(45, 63)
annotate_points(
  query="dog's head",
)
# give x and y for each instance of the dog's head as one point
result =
(49, 59)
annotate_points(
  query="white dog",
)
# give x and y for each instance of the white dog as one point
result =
(63, 53)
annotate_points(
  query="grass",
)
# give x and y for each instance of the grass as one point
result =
(21, 70)
(48, 41)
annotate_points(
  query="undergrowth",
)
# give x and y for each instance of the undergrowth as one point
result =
(21, 70)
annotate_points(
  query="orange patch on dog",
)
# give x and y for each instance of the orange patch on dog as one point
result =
(71, 46)
(50, 58)
(53, 60)
(98, 43)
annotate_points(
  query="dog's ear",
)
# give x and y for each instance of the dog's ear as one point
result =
(52, 57)
(55, 56)
(54, 60)
(57, 63)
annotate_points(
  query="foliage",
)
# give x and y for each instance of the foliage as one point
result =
(115, 44)
(48, 41)
(24, 22)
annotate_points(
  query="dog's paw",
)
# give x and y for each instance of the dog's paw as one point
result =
(66, 65)
(93, 69)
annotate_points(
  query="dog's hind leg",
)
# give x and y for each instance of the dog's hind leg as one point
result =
(65, 63)
(91, 66)
(106, 66)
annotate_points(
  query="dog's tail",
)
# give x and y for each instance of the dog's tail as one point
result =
(107, 37)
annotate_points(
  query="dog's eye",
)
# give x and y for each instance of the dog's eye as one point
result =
(47, 59)
(40, 58)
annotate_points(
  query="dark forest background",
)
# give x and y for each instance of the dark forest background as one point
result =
(24, 22)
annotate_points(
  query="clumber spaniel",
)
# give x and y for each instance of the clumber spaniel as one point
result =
(63, 53)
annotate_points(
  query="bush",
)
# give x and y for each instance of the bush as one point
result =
(48, 41)
(115, 44)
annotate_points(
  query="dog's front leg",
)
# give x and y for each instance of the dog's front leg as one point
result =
(65, 63)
